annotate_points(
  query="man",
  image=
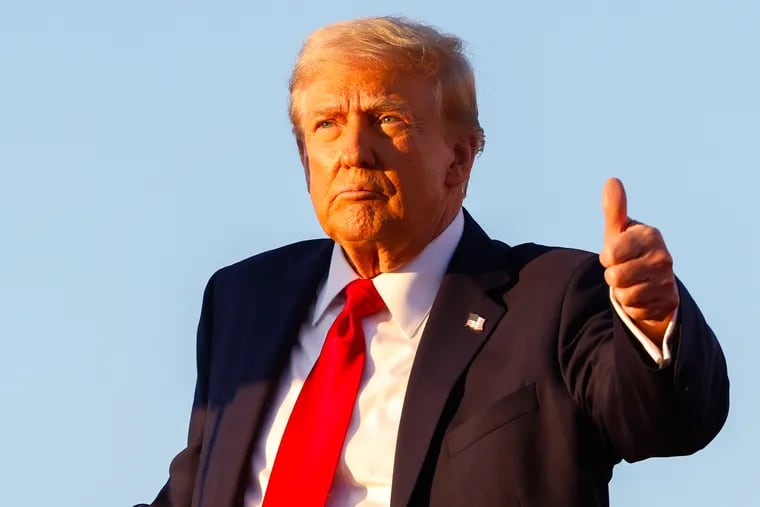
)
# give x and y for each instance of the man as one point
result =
(410, 359)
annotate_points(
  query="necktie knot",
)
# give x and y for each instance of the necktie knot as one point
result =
(362, 298)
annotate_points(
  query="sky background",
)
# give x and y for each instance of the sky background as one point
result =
(145, 144)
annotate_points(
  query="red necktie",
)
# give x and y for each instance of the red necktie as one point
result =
(311, 446)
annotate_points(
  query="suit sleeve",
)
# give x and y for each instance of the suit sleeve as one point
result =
(640, 410)
(183, 471)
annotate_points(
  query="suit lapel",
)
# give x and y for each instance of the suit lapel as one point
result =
(265, 346)
(447, 346)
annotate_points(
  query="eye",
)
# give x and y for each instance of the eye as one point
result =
(389, 118)
(323, 124)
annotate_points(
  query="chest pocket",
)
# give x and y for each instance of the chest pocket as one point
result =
(511, 407)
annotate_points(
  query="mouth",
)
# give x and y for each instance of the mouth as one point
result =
(359, 193)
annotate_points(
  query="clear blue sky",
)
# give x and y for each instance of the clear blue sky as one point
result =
(145, 144)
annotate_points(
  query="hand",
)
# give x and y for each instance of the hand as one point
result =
(639, 267)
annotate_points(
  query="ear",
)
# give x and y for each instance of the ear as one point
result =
(304, 156)
(463, 151)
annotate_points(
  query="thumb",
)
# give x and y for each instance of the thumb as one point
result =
(615, 208)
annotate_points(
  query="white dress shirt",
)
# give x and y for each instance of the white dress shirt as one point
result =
(365, 469)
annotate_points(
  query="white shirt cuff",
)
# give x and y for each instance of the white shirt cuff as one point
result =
(661, 357)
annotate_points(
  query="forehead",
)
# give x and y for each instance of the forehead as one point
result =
(359, 86)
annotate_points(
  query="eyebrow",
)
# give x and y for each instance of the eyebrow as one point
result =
(378, 105)
(384, 104)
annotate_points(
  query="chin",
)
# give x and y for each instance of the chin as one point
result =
(354, 236)
(357, 226)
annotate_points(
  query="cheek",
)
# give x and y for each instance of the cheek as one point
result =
(402, 144)
(318, 167)
(319, 177)
(423, 175)
(318, 187)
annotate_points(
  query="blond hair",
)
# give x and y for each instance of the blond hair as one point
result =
(398, 44)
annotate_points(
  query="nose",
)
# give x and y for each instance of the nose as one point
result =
(357, 144)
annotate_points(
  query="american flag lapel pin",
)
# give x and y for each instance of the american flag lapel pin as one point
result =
(475, 322)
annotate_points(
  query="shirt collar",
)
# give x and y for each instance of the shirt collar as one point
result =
(408, 291)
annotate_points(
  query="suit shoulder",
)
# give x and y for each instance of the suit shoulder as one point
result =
(276, 260)
(554, 266)
(562, 257)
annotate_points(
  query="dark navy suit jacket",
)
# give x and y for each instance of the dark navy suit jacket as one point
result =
(534, 410)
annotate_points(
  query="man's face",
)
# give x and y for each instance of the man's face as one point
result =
(379, 165)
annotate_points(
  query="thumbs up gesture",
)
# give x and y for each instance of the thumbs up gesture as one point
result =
(639, 268)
